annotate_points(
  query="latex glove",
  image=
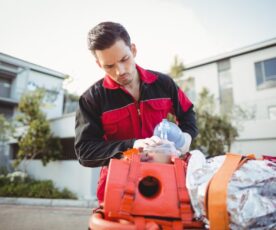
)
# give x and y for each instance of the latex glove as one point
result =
(147, 142)
(186, 147)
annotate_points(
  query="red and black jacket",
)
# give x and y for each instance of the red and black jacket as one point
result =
(109, 119)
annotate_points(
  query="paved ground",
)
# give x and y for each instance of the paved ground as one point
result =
(29, 217)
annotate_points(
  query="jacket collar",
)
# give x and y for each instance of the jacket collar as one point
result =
(145, 76)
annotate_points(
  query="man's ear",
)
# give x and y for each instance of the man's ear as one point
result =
(133, 49)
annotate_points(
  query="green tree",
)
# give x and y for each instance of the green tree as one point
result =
(216, 133)
(6, 131)
(177, 68)
(35, 139)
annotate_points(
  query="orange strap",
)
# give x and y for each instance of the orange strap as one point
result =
(186, 212)
(129, 191)
(185, 208)
(217, 193)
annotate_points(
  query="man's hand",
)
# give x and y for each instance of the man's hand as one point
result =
(186, 147)
(147, 142)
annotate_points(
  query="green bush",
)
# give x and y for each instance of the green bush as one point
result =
(216, 132)
(33, 188)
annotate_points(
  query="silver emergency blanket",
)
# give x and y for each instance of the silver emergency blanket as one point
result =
(251, 198)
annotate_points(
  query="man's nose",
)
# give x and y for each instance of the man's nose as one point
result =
(120, 69)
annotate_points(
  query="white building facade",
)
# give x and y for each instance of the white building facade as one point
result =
(244, 78)
(19, 76)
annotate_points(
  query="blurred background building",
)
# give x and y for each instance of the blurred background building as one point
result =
(18, 76)
(242, 81)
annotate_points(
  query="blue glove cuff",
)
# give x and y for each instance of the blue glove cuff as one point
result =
(171, 132)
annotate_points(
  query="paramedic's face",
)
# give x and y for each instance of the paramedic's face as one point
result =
(118, 62)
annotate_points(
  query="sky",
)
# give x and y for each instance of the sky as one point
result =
(53, 33)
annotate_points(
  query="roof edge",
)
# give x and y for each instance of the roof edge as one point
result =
(237, 52)
(25, 64)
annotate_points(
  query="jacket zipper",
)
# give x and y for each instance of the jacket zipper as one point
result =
(138, 112)
(136, 105)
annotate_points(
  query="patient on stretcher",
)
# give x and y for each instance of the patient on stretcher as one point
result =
(251, 194)
(251, 190)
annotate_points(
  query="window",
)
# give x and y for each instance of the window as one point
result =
(266, 73)
(6, 80)
(70, 106)
(225, 86)
(224, 65)
(272, 112)
(5, 87)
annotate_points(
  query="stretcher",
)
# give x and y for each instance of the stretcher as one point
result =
(141, 195)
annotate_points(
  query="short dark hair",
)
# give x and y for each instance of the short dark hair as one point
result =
(105, 34)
